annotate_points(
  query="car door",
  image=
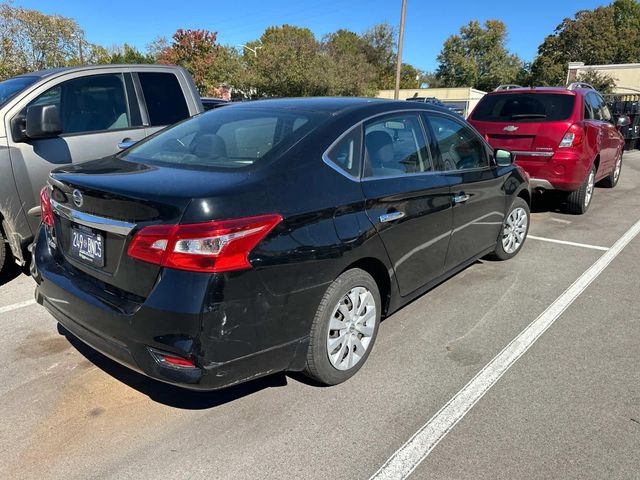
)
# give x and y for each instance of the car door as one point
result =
(479, 201)
(406, 199)
(607, 134)
(97, 112)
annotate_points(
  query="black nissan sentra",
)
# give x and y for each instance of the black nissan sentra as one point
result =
(272, 235)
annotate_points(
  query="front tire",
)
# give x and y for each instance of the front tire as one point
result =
(3, 251)
(612, 180)
(344, 328)
(514, 230)
(579, 200)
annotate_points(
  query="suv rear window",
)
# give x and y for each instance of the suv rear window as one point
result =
(230, 137)
(525, 107)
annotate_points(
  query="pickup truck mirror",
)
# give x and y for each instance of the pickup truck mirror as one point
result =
(43, 121)
(504, 158)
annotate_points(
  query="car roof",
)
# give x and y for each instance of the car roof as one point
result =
(541, 90)
(54, 71)
(337, 105)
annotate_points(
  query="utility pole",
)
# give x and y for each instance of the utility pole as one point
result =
(396, 93)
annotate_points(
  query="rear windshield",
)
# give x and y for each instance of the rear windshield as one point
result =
(226, 138)
(9, 88)
(524, 107)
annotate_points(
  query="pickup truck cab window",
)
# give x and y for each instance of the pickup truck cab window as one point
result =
(89, 104)
(163, 96)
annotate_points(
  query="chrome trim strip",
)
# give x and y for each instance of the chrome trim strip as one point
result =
(101, 223)
(540, 183)
(534, 154)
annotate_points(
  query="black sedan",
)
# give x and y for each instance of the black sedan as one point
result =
(271, 236)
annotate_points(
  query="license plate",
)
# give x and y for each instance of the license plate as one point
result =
(87, 245)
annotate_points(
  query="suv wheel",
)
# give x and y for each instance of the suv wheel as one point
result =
(578, 201)
(612, 180)
(344, 328)
(514, 231)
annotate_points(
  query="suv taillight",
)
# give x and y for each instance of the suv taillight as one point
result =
(218, 246)
(573, 137)
(46, 212)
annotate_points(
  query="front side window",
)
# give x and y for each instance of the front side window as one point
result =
(458, 147)
(395, 146)
(89, 104)
(346, 153)
(163, 95)
(230, 137)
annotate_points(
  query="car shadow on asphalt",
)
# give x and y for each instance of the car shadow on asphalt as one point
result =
(548, 202)
(10, 272)
(167, 394)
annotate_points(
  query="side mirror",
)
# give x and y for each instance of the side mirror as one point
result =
(43, 121)
(623, 121)
(504, 158)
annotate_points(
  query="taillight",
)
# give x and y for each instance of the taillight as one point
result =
(218, 246)
(46, 212)
(573, 137)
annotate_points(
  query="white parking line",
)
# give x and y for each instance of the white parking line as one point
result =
(565, 242)
(405, 460)
(16, 306)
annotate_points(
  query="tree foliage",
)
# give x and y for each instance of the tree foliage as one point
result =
(129, 55)
(31, 40)
(609, 34)
(602, 82)
(478, 57)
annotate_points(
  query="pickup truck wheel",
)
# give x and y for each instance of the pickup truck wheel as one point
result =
(579, 200)
(514, 231)
(344, 328)
(612, 180)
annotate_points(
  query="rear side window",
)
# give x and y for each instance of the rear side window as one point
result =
(599, 109)
(227, 137)
(89, 104)
(346, 153)
(525, 107)
(395, 146)
(164, 98)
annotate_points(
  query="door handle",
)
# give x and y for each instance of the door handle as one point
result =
(390, 217)
(461, 198)
(126, 143)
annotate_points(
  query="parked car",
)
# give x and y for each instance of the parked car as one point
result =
(70, 115)
(564, 138)
(271, 235)
(209, 103)
(453, 106)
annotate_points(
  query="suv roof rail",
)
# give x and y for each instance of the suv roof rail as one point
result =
(574, 85)
(510, 86)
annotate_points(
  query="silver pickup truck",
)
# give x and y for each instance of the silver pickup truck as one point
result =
(56, 117)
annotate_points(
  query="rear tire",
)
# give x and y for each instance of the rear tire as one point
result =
(514, 230)
(612, 180)
(3, 251)
(579, 200)
(344, 328)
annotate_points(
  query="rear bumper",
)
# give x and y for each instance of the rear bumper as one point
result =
(560, 171)
(228, 342)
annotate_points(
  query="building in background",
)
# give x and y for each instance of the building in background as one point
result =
(626, 75)
(461, 99)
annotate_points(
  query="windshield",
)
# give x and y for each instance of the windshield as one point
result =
(525, 107)
(9, 88)
(226, 138)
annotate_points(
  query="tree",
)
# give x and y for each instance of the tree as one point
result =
(602, 82)
(349, 72)
(410, 76)
(31, 40)
(129, 55)
(609, 34)
(478, 57)
(380, 50)
(287, 62)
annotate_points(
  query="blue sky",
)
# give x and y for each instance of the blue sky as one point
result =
(428, 24)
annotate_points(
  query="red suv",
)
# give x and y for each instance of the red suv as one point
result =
(564, 138)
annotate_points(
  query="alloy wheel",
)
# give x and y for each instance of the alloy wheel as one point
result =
(590, 186)
(616, 171)
(515, 229)
(351, 328)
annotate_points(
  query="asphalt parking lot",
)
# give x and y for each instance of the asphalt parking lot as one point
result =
(569, 407)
